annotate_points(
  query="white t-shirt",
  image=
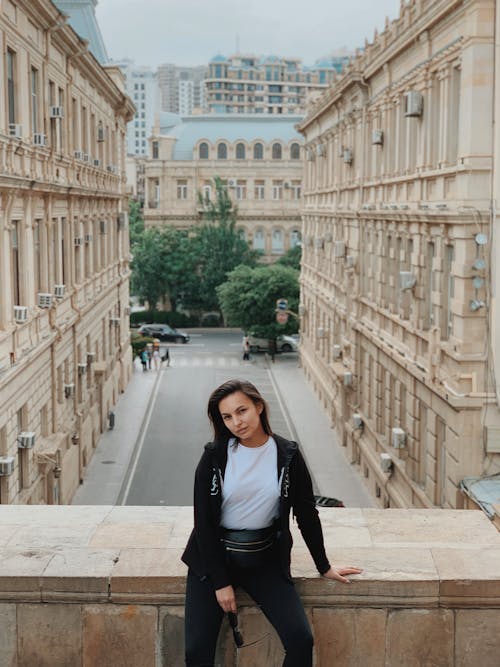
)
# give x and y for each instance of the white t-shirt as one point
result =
(250, 492)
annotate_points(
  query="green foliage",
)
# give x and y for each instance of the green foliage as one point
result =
(138, 343)
(175, 319)
(135, 222)
(248, 299)
(292, 258)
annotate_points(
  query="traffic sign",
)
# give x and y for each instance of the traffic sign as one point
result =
(282, 304)
(281, 317)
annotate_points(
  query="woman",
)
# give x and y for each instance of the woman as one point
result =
(246, 483)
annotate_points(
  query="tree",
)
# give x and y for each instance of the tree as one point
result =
(147, 267)
(248, 299)
(135, 222)
(218, 248)
(292, 257)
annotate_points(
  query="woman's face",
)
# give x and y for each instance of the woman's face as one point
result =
(242, 417)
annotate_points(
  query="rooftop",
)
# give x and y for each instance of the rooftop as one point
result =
(83, 20)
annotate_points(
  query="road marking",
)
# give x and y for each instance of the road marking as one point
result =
(140, 443)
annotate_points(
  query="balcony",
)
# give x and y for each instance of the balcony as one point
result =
(104, 586)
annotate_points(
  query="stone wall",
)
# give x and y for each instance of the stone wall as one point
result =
(105, 586)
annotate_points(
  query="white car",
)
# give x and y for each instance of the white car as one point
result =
(283, 344)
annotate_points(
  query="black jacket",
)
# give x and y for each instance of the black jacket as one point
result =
(204, 552)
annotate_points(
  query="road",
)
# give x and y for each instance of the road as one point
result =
(162, 466)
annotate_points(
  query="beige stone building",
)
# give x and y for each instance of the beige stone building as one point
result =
(398, 325)
(259, 158)
(267, 85)
(64, 270)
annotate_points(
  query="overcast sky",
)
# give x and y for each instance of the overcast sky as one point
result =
(190, 32)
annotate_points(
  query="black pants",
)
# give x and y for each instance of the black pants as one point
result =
(274, 594)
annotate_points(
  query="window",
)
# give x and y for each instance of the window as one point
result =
(15, 263)
(277, 245)
(276, 151)
(11, 85)
(259, 191)
(240, 192)
(240, 151)
(34, 99)
(222, 151)
(259, 241)
(206, 192)
(155, 150)
(295, 152)
(182, 189)
(203, 151)
(295, 238)
(258, 152)
(277, 189)
(295, 189)
(36, 257)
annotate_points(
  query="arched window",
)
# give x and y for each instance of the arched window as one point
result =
(258, 152)
(203, 151)
(295, 152)
(295, 238)
(259, 241)
(222, 151)
(242, 233)
(277, 246)
(277, 151)
(240, 151)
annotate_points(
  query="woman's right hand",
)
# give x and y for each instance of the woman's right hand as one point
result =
(226, 598)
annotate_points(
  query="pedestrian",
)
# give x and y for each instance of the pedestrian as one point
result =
(156, 354)
(144, 360)
(246, 348)
(272, 348)
(149, 353)
(246, 483)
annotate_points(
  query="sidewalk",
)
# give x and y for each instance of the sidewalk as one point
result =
(332, 474)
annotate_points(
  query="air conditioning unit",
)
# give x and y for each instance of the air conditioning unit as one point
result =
(85, 157)
(406, 280)
(398, 438)
(56, 112)
(302, 310)
(69, 389)
(348, 156)
(20, 314)
(385, 462)
(414, 104)
(59, 291)
(378, 137)
(347, 378)
(350, 262)
(320, 150)
(39, 139)
(115, 320)
(78, 155)
(328, 237)
(318, 242)
(286, 185)
(82, 368)
(321, 332)
(122, 220)
(44, 300)
(97, 163)
(111, 168)
(309, 154)
(101, 134)
(88, 238)
(78, 241)
(231, 182)
(91, 357)
(337, 351)
(26, 440)
(339, 249)
(357, 421)
(6, 465)
(15, 130)
(102, 226)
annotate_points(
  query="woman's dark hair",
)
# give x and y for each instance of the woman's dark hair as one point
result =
(226, 389)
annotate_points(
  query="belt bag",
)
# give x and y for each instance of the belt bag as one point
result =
(248, 548)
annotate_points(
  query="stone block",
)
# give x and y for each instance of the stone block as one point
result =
(131, 535)
(49, 635)
(172, 635)
(148, 572)
(418, 638)
(349, 637)
(8, 635)
(20, 572)
(471, 572)
(262, 644)
(119, 635)
(477, 638)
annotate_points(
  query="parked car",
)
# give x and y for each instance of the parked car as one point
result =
(283, 344)
(164, 332)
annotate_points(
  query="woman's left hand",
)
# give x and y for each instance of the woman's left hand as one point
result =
(338, 573)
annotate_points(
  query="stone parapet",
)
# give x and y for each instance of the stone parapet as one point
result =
(105, 586)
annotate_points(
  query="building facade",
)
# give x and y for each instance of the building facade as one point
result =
(142, 88)
(258, 158)
(397, 323)
(64, 257)
(182, 89)
(267, 85)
